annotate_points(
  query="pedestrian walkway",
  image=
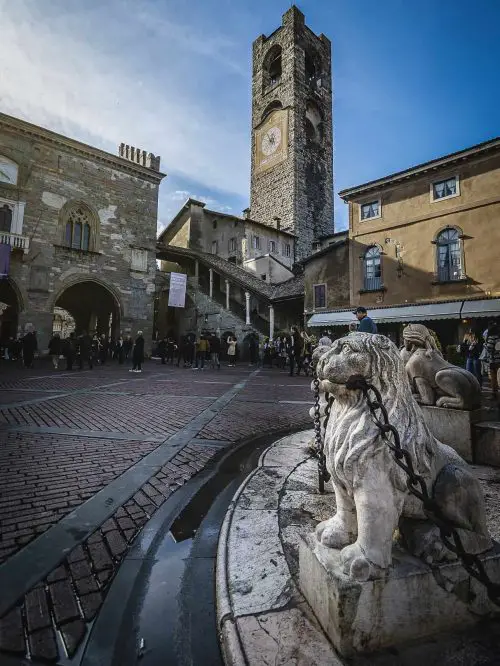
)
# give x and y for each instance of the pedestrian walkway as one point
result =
(86, 458)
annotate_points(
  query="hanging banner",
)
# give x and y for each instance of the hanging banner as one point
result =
(4, 261)
(177, 293)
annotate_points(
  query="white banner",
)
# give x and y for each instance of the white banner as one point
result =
(177, 293)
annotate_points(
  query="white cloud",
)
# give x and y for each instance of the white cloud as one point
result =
(67, 72)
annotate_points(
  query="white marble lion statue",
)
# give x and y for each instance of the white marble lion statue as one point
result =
(370, 489)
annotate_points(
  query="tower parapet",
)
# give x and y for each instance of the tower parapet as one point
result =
(139, 156)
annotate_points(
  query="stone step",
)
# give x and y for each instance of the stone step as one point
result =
(486, 438)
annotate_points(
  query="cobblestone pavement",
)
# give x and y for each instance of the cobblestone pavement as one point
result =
(86, 458)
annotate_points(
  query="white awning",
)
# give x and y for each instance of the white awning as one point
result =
(483, 308)
(404, 314)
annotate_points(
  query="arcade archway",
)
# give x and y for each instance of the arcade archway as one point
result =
(9, 311)
(93, 307)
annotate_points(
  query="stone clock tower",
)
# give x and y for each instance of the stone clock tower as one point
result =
(292, 144)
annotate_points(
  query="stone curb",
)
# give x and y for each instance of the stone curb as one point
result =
(290, 609)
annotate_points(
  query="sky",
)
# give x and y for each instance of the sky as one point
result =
(411, 81)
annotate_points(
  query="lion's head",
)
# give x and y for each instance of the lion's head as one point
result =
(374, 357)
(377, 359)
(418, 336)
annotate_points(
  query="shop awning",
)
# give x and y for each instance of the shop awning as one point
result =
(404, 314)
(483, 308)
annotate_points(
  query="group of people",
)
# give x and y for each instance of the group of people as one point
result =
(196, 351)
(85, 349)
(482, 354)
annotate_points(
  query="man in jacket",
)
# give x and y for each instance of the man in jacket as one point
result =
(366, 323)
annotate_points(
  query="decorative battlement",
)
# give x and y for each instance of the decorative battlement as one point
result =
(138, 156)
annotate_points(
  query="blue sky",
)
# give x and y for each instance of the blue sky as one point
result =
(412, 81)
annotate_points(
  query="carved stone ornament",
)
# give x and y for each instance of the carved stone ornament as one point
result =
(434, 381)
(370, 489)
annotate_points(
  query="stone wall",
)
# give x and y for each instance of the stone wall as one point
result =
(331, 268)
(299, 190)
(56, 176)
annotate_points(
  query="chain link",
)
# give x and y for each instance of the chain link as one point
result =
(323, 475)
(416, 486)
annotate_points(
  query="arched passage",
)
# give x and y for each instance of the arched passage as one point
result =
(9, 311)
(93, 307)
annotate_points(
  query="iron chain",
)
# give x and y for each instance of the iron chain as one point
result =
(416, 486)
(323, 475)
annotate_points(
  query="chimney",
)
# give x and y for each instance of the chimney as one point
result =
(139, 156)
(278, 223)
(246, 214)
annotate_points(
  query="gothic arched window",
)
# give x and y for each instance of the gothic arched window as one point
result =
(272, 66)
(79, 228)
(449, 255)
(372, 269)
(313, 122)
(5, 218)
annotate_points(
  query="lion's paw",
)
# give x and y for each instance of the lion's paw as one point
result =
(333, 533)
(356, 565)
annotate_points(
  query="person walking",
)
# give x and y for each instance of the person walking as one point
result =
(85, 343)
(171, 347)
(201, 353)
(70, 350)
(253, 349)
(472, 348)
(55, 349)
(103, 349)
(162, 350)
(493, 352)
(215, 351)
(231, 351)
(294, 348)
(127, 347)
(120, 350)
(29, 345)
(366, 323)
(138, 353)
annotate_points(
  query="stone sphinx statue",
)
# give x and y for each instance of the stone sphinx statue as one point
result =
(434, 381)
(371, 491)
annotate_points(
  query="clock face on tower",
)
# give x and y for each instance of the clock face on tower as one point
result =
(271, 141)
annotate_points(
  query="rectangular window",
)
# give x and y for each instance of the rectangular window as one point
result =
(214, 247)
(444, 189)
(370, 210)
(287, 250)
(319, 296)
(263, 276)
(256, 243)
(272, 246)
(232, 245)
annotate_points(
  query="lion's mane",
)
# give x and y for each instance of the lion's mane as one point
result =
(352, 438)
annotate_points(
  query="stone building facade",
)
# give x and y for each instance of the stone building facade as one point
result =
(424, 243)
(260, 249)
(292, 136)
(81, 225)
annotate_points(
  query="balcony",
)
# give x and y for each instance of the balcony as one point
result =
(16, 241)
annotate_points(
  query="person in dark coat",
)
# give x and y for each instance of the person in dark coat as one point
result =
(294, 350)
(171, 346)
(30, 346)
(162, 350)
(55, 349)
(103, 349)
(85, 344)
(138, 353)
(70, 350)
(127, 347)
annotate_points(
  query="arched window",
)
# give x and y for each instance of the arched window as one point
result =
(272, 66)
(78, 229)
(312, 67)
(8, 171)
(5, 218)
(372, 269)
(313, 122)
(449, 255)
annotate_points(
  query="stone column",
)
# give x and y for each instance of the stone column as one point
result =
(227, 294)
(211, 288)
(196, 268)
(247, 308)
(271, 322)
